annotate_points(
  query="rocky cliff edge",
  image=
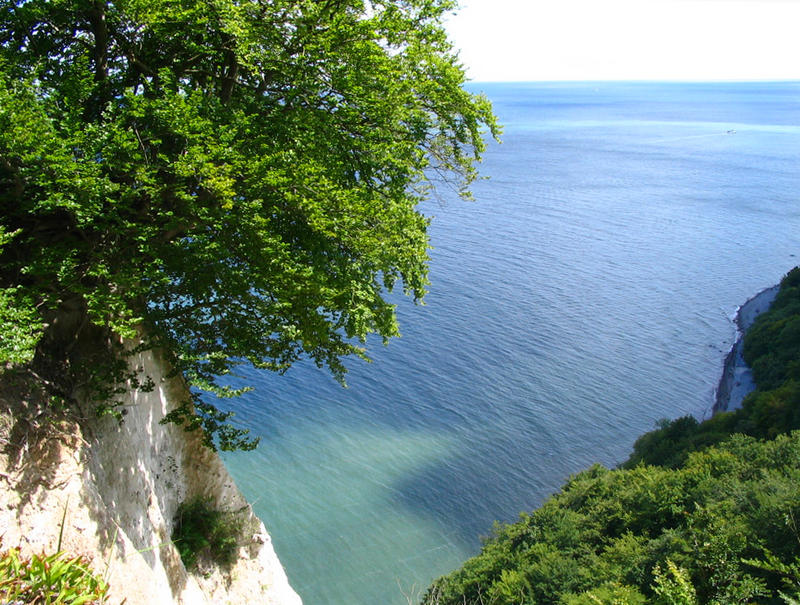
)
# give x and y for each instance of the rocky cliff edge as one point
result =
(111, 491)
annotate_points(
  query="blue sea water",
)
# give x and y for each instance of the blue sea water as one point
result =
(585, 294)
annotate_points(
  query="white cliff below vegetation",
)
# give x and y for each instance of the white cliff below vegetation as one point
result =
(111, 492)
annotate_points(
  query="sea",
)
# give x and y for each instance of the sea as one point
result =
(588, 291)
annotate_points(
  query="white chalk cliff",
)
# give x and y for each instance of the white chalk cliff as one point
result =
(117, 488)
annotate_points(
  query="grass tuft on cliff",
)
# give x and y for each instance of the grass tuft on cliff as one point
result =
(204, 532)
(52, 579)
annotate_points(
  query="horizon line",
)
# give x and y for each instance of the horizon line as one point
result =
(641, 81)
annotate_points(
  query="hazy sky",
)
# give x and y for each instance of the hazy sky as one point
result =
(519, 40)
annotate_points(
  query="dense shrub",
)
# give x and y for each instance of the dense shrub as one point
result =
(636, 535)
(772, 345)
(671, 443)
(202, 531)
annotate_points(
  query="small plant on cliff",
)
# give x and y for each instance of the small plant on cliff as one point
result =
(204, 531)
(56, 578)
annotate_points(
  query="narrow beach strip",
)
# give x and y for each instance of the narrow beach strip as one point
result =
(737, 378)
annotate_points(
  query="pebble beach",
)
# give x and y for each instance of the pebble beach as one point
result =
(737, 378)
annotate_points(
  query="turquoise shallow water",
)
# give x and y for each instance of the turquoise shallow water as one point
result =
(586, 293)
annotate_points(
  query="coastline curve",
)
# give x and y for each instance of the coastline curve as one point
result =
(736, 381)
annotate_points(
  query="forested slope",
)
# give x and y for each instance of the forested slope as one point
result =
(701, 512)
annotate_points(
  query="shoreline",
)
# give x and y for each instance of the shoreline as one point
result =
(736, 381)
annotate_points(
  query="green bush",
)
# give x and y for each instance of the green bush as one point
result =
(203, 531)
(672, 442)
(608, 594)
(772, 344)
(720, 529)
(49, 579)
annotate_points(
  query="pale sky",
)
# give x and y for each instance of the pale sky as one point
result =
(529, 40)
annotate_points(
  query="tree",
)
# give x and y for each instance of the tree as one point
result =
(228, 180)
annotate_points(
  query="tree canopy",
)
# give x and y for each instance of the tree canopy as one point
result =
(719, 530)
(238, 177)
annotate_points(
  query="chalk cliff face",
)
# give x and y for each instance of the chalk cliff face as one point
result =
(117, 488)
